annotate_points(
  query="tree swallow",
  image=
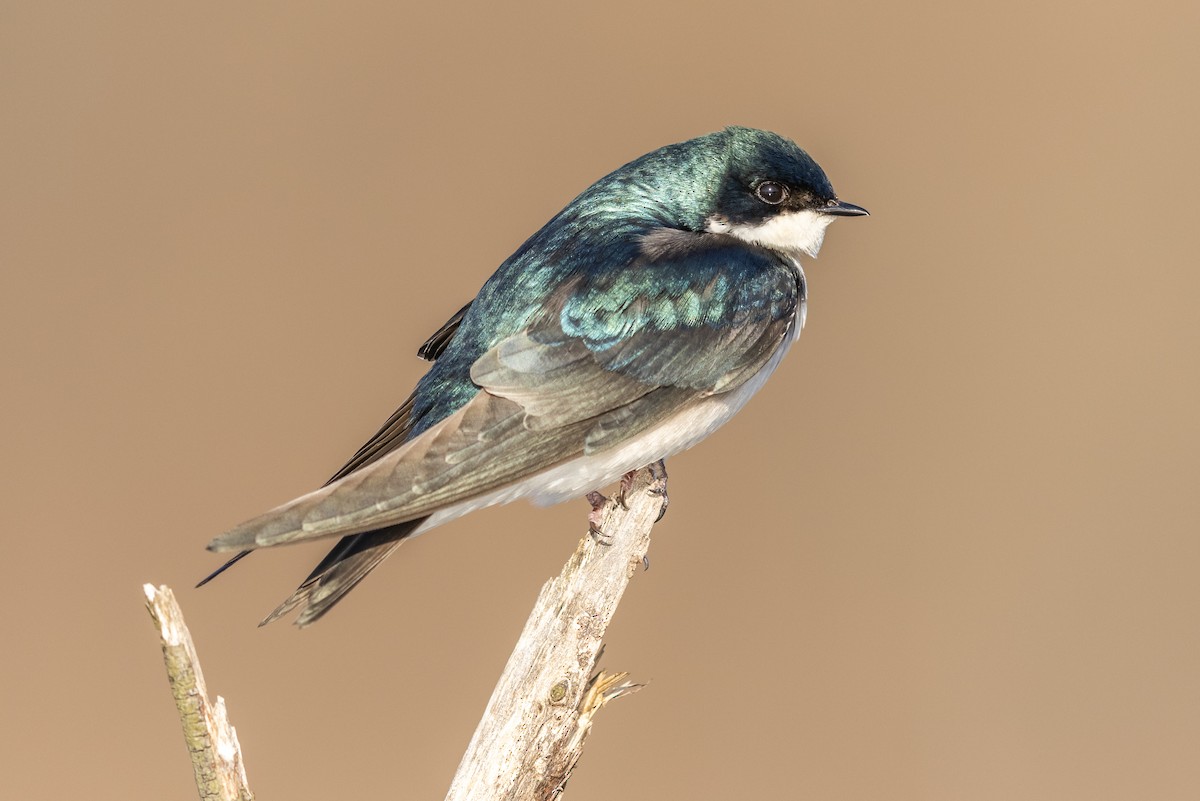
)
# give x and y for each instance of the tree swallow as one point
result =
(631, 326)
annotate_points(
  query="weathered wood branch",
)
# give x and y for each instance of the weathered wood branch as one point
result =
(533, 729)
(211, 740)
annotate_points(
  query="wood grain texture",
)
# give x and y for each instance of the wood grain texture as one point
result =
(211, 740)
(533, 730)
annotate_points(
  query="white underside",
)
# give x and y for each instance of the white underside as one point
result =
(581, 475)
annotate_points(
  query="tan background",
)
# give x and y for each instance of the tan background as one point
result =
(950, 552)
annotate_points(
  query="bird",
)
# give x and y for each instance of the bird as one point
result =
(632, 325)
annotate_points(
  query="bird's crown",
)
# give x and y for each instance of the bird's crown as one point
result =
(683, 184)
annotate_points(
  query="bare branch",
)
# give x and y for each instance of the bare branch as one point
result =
(533, 729)
(212, 742)
(540, 713)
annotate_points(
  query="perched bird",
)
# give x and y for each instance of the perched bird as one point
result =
(630, 327)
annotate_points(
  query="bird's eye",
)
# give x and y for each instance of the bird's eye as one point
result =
(771, 192)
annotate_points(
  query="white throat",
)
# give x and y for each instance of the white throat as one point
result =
(792, 232)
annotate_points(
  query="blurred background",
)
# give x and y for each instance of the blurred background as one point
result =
(950, 551)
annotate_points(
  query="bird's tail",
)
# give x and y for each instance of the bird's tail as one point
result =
(240, 556)
(340, 571)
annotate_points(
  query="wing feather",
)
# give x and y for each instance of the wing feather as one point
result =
(618, 353)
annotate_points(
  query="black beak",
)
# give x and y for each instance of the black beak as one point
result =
(840, 208)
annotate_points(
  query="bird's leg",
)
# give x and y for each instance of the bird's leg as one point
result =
(598, 502)
(658, 486)
(626, 485)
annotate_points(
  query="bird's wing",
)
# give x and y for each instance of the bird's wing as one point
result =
(613, 353)
(393, 432)
(436, 344)
(390, 435)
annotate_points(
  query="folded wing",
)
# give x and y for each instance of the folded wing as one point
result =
(611, 355)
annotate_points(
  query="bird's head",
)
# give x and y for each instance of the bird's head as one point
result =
(773, 194)
(750, 184)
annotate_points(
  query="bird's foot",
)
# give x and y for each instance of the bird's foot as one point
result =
(595, 516)
(626, 486)
(658, 486)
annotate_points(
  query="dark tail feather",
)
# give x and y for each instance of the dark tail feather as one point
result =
(340, 571)
(223, 568)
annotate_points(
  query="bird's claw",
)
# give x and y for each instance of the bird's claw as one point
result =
(658, 486)
(595, 517)
(626, 485)
(599, 535)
